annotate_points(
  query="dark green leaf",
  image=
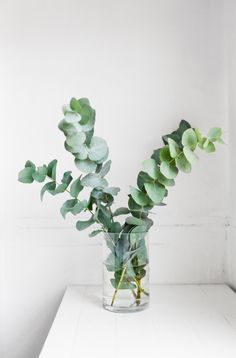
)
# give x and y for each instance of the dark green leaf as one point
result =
(40, 174)
(47, 187)
(81, 225)
(165, 154)
(142, 179)
(121, 211)
(156, 155)
(30, 164)
(52, 169)
(76, 187)
(95, 232)
(75, 105)
(67, 207)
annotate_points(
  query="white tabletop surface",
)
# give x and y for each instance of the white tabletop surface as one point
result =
(182, 322)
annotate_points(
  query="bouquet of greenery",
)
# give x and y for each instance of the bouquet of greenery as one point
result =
(128, 257)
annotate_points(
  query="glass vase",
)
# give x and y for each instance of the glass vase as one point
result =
(125, 272)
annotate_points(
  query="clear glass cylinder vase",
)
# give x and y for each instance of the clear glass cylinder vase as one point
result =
(125, 272)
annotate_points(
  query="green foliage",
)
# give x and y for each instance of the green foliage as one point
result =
(189, 139)
(128, 253)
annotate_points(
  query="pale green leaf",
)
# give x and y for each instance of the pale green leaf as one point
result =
(26, 175)
(139, 197)
(183, 164)
(190, 155)
(71, 117)
(85, 166)
(76, 140)
(189, 139)
(168, 170)
(150, 167)
(214, 134)
(173, 147)
(105, 168)
(79, 206)
(210, 147)
(94, 180)
(97, 149)
(155, 191)
(112, 190)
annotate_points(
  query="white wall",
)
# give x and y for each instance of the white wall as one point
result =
(230, 50)
(144, 65)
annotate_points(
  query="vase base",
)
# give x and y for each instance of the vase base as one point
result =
(129, 309)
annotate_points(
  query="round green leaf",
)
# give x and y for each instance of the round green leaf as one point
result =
(150, 167)
(40, 174)
(142, 179)
(75, 105)
(139, 197)
(86, 166)
(97, 149)
(155, 191)
(105, 169)
(168, 170)
(26, 175)
(165, 154)
(190, 155)
(189, 139)
(76, 187)
(183, 164)
(76, 140)
(173, 147)
(214, 134)
(210, 147)
(94, 181)
(72, 117)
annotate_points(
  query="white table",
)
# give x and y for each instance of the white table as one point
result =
(182, 322)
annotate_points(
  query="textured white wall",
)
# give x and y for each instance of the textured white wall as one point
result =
(144, 65)
(230, 55)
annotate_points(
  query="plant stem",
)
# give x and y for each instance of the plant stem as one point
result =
(138, 283)
(118, 286)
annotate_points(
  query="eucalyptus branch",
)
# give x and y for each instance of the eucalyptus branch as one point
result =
(90, 157)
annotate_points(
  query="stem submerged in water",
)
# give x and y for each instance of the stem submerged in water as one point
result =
(118, 286)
